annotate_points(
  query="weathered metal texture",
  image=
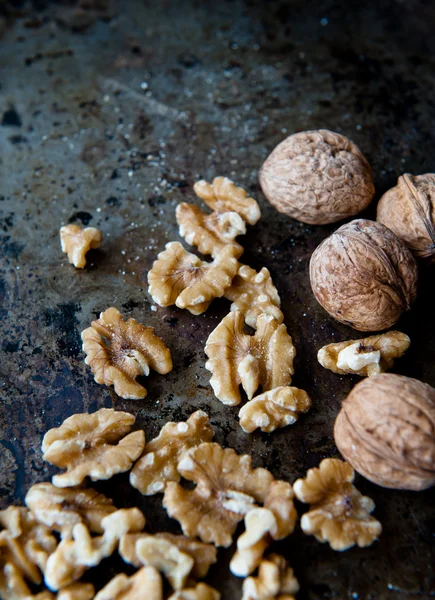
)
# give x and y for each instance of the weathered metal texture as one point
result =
(109, 122)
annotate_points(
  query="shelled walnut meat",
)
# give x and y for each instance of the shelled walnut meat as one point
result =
(385, 430)
(364, 276)
(408, 209)
(76, 242)
(317, 177)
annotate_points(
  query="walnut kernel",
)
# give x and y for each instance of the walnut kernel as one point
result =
(223, 195)
(275, 580)
(14, 587)
(77, 591)
(76, 242)
(201, 591)
(122, 587)
(276, 408)
(251, 545)
(167, 558)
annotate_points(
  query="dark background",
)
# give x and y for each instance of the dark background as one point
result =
(110, 111)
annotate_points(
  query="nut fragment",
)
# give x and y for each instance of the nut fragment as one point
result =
(166, 558)
(76, 242)
(275, 580)
(158, 465)
(77, 591)
(131, 349)
(210, 233)
(223, 195)
(367, 357)
(317, 177)
(92, 445)
(226, 489)
(279, 501)
(145, 581)
(14, 587)
(364, 276)
(62, 508)
(251, 545)
(338, 514)
(254, 294)
(235, 358)
(180, 278)
(277, 408)
(201, 591)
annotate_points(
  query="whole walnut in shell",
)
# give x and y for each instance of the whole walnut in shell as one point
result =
(317, 177)
(386, 431)
(364, 276)
(408, 209)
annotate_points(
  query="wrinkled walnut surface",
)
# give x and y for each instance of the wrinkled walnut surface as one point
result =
(158, 465)
(317, 177)
(234, 358)
(118, 351)
(14, 587)
(366, 357)
(97, 445)
(277, 408)
(338, 514)
(121, 587)
(408, 209)
(167, 558)
(201, 591)
(275, 579)
(180, 278)
(385, 429)
(364, 276)
(251, 545)
(76, 242)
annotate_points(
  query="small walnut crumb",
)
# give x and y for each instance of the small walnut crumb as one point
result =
(275, 580)
(76, 242)
(14, 587)
(235, 358)
(367, 357)
(166, 558)
(226, 489)
(62, 508)
(210, 233)
(131, 350)
(77, 591)
(223, 195)
(201, 591)
(158, 464)
(338, 514)
(180, 278)
(94, 445)
(122, 587)
(277, 408)
(251, 545)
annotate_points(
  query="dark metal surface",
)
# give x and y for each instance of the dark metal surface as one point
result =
(109, 114)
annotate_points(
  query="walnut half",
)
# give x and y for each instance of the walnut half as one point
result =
(277, 408)
(76, 242)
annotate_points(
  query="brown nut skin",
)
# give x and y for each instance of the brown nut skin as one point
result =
(385, 430)
(364, 276)
(408, 209)
(317, 177)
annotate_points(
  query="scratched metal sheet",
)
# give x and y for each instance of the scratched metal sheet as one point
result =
(109, 114)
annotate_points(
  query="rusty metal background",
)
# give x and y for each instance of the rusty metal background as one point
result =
(109, 113)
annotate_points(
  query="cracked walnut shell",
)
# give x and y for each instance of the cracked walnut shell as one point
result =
(253, 294)
(277, 408)
(317, 177)
(201, 591)
(227, 487)
(131, 350)
(366, 357)
(385, 429)
(76, 242)
(364, 276)
(264, 359)
(122, 587)
(95, 445)
(275, 579)
(180, 278)
(158, 464)
(338, 514)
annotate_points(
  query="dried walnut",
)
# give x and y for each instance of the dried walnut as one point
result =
(14, 587)
(338, 514)
(94, 445)
(201, 591)
(167, 558)
(76, 242)
(122, 587)
(367, 357)
(275, 580)
(277, 408)
(131, 350)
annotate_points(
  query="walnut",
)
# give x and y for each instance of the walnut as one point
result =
(385, 429)
(166, 558)
(317, 177)
(94, 445)
(14, 587)
(226, 489)
(180, 278)
(338, 514)
(62, 508)
(408, 209)
(251, 545)
(122, 587)
(77, 591)
(130, 350)
(158, 464)
(210, 233)
(367, 357)
(277, 408)
(223, 195)
(275, 580)
(364, 276)
(254, 294)
(279, 501)
(201, 591)
(76, 242)
(235, 358)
